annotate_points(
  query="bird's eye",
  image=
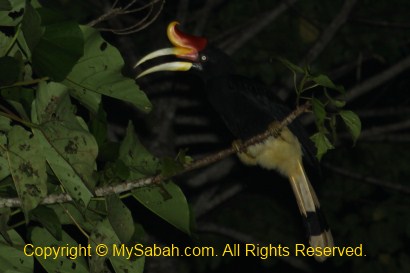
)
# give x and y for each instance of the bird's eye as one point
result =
(204, 58)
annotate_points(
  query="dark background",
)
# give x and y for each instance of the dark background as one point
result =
(362, 44)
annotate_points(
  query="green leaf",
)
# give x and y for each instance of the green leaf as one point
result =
(9, 70)
(5, 214)
(70, 150)
(70, 214)
(173, 209)
(322, 144)
(48, 219)
(122, 264)
(5, 42)
(20, 99)
(13, 17)
(325, 81)
(318, 111)
(293, 67)
(135, 264)
(169, 166)
(4, 125)
(338, 103)
(27, 167)
(5, 5)
(58, 50)
(134, 155)
(4, 170)
(12, 257)
(63, 263)
(103, 233)
(352, 122)
(98, 73)
(120, 218)
(98, 126)
(31, 27)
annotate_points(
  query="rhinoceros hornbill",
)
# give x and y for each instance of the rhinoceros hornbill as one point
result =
(248, 108)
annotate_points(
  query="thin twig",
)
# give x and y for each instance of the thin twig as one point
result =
(119, 11)
(330, 31)
(386, 24)
(325, 38)
(378, 79)
(383, 129)
(258, 26)
(392, 138)
(133, 184)
(368, 179)
(383, 112)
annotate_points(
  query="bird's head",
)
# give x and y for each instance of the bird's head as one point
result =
(192, 53)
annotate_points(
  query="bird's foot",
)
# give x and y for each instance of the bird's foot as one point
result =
(274, 129)
(237, 145)
(244, 155)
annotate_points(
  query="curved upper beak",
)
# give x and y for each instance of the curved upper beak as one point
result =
(188, 54)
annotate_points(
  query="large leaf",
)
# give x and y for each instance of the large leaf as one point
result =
(98, 73)
(168, 202)
(102, 239)
(9, 70)
(5, 43)
(5, 5)
(120, 218)
(13, 17)
(4, 128)
(123, 264)
(48, 219)
(69, 148)
(140, 161)
(12, 258)
(58, 50)
(27, 167)
(31, 27)
(75, 262)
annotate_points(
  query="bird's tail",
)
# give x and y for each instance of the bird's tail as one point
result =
(317, 228)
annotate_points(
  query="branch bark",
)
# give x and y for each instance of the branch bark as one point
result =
(133, 184)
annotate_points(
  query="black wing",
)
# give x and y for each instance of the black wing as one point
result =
(248, 108)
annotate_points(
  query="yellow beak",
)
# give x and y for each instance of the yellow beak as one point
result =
(185, 53)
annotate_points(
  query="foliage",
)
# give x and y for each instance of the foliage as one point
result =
(326, 108)
(51, 67)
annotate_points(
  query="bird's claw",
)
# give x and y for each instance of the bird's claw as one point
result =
(237, 145)
(274, 129)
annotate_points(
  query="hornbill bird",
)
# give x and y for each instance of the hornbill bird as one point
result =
(248, 108)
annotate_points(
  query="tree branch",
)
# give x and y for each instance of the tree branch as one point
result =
(259, 25)
(368, 179)
(330, 31)
(133, 184)
(378, 130)
(378, 79)
(320, 45)
(114, 11)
